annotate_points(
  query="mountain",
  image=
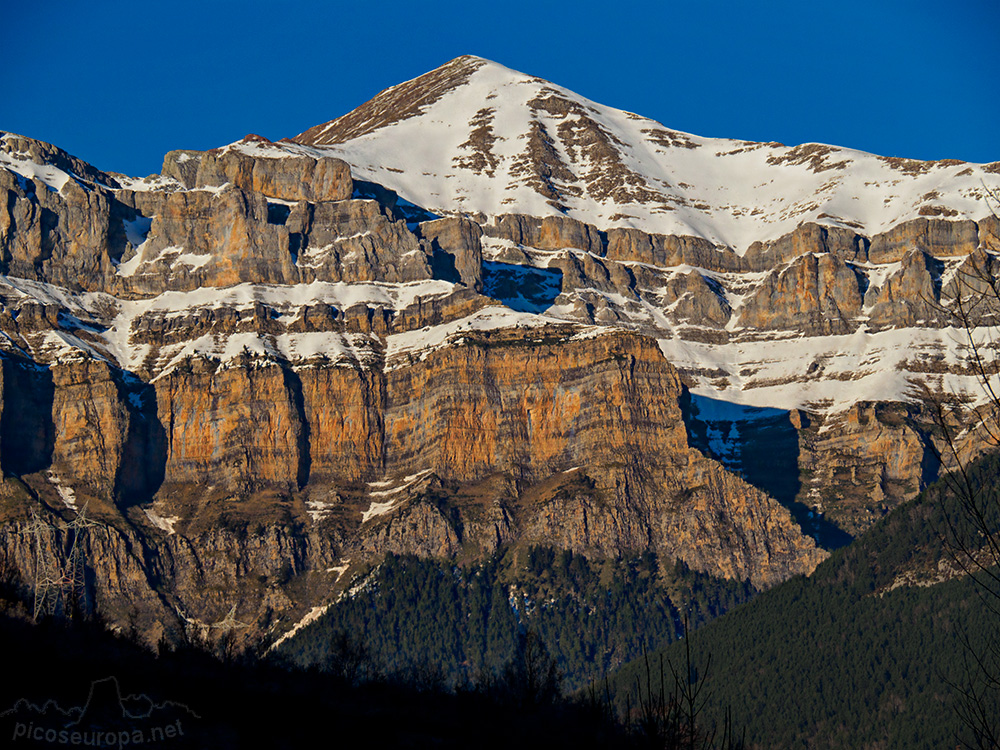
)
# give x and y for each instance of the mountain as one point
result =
(440, 328)
(802, 292)
(476, 137)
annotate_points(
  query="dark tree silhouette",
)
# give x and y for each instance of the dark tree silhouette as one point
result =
(972, 535)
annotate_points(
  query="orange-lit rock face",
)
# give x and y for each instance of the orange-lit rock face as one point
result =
(816, 294)
(91, 425)
(236, 427)
(498, 405)
(587, 430)
(503, 403)
(344, 410)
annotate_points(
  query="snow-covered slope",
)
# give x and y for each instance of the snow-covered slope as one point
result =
(474, 136)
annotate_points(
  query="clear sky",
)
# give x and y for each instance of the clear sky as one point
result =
(119, 84)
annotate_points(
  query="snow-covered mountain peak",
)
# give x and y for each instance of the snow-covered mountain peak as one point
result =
(476, 137)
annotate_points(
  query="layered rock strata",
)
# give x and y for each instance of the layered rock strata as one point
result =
(257, 371)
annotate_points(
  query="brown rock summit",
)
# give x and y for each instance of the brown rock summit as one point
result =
(395, 104)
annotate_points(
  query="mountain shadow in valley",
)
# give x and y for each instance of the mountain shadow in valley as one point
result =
(27, 431)
(761, 445)
(522, 288)
(144, 459)
(399, 208)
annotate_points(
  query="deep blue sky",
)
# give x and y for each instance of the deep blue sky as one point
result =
(119, 84)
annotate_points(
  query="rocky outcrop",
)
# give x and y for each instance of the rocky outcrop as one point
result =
(119, 584)
(807, 238)
(39, 152)
(357, 240)
(248, 218)
(583, 271)
(816, 294)
(71, 237)
(221, 238)
(255, 165)
(627, 244)
(157, 585)
(203, 238)
(940, 238)
(548, 233)
(418, 529)
(696, 299)
(972, 290)
(911, 296)
(869, 460)
(724, 520)
(457, 250)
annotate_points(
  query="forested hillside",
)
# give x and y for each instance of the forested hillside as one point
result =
(411, 615)
(871, 651)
